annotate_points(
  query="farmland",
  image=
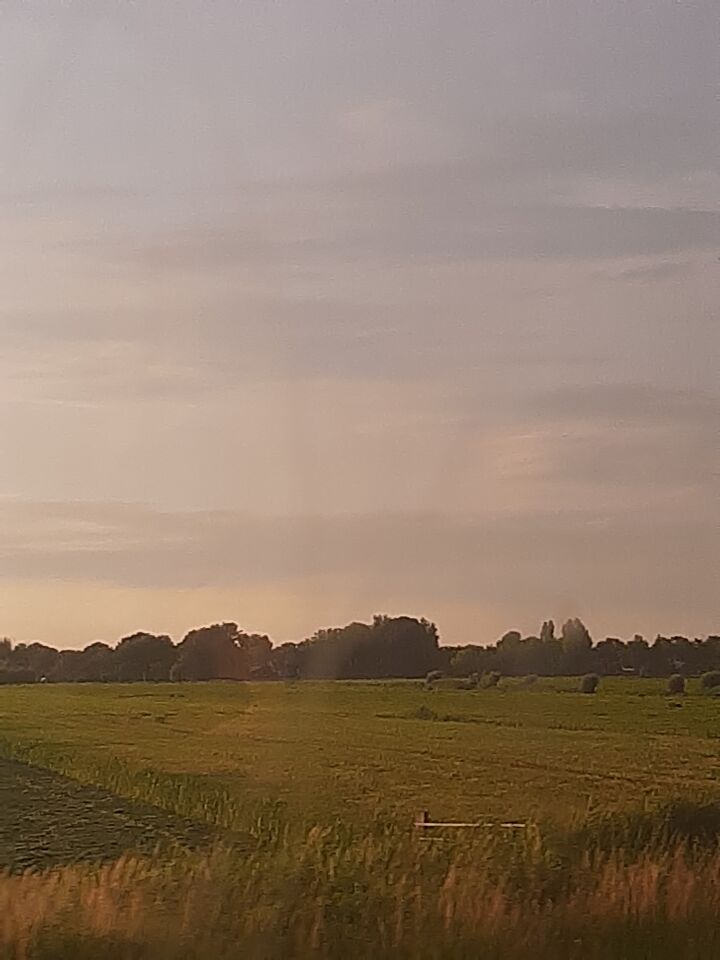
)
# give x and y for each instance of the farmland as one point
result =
(49, 820)
(297, 800)
(327, 750)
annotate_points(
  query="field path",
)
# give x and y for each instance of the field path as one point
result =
(47, 819)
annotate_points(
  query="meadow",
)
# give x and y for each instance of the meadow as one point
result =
(309, 792)
(354, 750)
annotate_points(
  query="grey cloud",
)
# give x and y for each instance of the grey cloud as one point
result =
(453, 218)
(630, 145)
(142, 546)
(194, 354)
(256, 234)
(606, 439)
(681, 466)
(552, 232)
(655, 272)
(197, 351)
(534, 155)
(629, 403)
(645, 567)
(110, 371)
(68, 197)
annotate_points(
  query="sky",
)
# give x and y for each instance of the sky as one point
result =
(314, 309)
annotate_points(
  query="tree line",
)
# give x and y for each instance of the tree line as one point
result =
(388, 647)
(573, 652)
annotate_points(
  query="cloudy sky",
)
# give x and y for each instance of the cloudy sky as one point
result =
(313, 309)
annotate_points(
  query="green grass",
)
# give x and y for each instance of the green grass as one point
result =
(223, 751)
(314, 787)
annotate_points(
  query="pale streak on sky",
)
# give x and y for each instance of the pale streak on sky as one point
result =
(312, 310)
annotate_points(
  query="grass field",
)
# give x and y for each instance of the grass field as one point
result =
(329, 750)
(49, 820)
(311, 790)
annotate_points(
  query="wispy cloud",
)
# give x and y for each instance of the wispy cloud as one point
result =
(428, 562)
(394, 301)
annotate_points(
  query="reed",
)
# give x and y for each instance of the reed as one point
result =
(380, 896)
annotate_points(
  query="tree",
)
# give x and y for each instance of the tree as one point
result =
(339, 653)
(576, 647)
(405, 646)
(635, 657)
(660, 658)
(509, 653)
(609, 656)
(68, 667)
(211, 653)
(257, 649)
(286, 661)
(575, 635)
(533, 655)
(96, 663)
(42, 659)
(389, 647)
(35, 657)
(10, 674)
(471, 659)
(145, 656)
(509, 640)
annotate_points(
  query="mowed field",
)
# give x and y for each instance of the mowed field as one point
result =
(358, 750)
(273, 820)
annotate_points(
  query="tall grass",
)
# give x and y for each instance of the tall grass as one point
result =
(643, 885)
(380, 897)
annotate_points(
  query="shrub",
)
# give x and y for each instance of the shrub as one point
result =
(529, 680)
(676, 684)
(433, 676)
(423, 713)
(589, 683)
(491, 679)
(708, 681)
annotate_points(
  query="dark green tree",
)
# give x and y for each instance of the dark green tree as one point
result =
(576, 647)
(212, 653)
(145, 656)
(257, 648)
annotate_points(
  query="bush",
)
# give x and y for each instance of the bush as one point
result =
(529, 680)
(423, 713)
(491, 679)
(708, 681)
(589, 683)
(433, 676)
(676, 684)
